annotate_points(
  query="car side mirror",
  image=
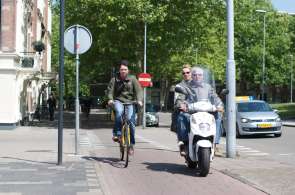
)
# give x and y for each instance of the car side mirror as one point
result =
(275, 110)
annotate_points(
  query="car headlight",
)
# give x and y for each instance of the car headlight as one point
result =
(245, 120)
(278, 119)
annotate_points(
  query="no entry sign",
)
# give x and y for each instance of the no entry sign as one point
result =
(145, 79)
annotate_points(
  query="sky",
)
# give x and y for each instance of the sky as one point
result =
(284, 5)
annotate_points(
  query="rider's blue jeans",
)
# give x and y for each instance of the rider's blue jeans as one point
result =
(119, 110)
(183, 126)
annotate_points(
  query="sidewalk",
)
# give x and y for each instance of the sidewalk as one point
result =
(263, 173)
(28, 163)
(290, 122)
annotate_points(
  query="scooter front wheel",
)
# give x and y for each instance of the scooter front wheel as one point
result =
(190, 164)
(203, 161)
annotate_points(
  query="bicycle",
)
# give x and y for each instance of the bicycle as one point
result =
(125, 142)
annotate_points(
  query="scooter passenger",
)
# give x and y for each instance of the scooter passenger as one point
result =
(196, 90)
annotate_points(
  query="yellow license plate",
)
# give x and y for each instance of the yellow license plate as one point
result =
(264, 125)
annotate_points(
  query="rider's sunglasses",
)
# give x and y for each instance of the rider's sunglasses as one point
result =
(185, 73)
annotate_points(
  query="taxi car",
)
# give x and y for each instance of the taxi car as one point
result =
(256, 117)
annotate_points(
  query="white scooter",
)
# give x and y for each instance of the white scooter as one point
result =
(200, 146)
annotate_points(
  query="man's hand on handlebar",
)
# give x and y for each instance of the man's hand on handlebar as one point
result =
(220, 110)
(140, 103)
(183, 107)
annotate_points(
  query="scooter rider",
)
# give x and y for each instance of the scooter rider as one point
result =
(197, 90)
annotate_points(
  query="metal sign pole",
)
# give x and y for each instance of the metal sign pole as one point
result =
(78, 40)
(77, 112)
(60, 84)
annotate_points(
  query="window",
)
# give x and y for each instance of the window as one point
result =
(254, 107)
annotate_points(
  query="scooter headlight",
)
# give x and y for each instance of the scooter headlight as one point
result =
(204, 127)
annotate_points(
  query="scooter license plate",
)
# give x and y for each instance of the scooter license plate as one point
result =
(264, 125)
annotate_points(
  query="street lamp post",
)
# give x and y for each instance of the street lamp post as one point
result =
(230, 84)
(144, 70)
(291, 80)
(263, 58)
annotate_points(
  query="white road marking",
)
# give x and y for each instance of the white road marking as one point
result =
(250, 151)
(95, 141)
(287, 154)
(258, 154)
(243, 148)
(25, 183)
(156, 144)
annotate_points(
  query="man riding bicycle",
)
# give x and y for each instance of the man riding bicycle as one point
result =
(124, 88)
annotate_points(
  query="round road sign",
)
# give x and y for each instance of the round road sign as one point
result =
(78, 39)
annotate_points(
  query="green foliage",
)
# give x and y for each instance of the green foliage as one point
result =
(178, 32)
(286, 110)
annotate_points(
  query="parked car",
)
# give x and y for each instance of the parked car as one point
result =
(151, 116)
(256, 117)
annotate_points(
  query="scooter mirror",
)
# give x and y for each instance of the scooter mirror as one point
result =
(224, 92)
(181, 90)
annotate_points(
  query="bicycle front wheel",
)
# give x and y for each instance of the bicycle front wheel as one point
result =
(125, 144)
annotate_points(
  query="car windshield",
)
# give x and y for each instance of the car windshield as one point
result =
(253, 107)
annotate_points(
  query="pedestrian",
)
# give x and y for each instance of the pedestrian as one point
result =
(51, 106)
(218, 119)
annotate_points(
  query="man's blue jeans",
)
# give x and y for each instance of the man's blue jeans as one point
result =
(119, 110)
(218, 118)
(183, 126)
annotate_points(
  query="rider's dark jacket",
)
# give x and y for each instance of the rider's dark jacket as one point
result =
(126, 90)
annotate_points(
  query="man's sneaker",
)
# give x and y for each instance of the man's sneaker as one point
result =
(131, 151)
(218, 152)
(115, 138)
(181, 148)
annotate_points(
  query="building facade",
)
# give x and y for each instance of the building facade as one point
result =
(25, 58)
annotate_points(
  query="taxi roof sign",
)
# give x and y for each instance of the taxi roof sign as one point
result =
(244, 98)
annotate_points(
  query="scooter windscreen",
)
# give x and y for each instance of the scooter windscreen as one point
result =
(204, 74)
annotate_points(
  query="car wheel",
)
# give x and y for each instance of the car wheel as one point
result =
(278, 134)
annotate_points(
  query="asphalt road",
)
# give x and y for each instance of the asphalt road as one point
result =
(156, 167)
(280, 149)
